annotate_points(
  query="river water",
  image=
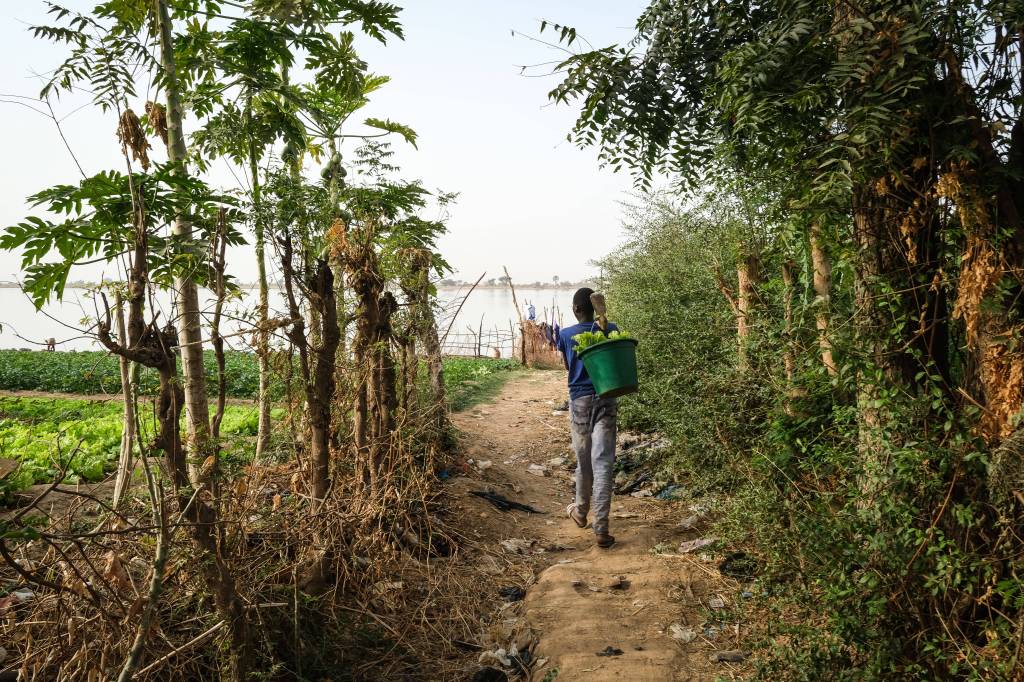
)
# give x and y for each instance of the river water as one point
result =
(488, 309)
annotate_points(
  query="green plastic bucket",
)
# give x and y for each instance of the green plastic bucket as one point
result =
(612, 367)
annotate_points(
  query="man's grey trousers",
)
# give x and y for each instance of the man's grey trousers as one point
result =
(593, 440)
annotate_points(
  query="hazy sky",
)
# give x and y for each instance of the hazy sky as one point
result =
(528, 198)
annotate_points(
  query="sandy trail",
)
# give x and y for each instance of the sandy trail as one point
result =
(572, 607)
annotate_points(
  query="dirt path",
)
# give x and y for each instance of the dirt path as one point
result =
(573, 609)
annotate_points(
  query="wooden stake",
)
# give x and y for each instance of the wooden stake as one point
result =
(522, 325)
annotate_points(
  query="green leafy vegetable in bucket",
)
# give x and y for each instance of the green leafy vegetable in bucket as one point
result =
(588, 339)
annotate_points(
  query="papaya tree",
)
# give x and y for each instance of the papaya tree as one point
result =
(126, 216)
(247, 59)
(382, 239)
(246, 65)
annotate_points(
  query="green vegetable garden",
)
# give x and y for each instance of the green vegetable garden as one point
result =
(98, 372)
(822, 274)
(79, 440)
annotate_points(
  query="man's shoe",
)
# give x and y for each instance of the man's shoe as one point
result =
(580, 521)
(604, 541)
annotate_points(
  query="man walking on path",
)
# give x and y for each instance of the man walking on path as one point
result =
(593, 424)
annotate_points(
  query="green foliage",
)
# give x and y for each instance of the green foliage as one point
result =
(686, 363)
(92, 372)
(48, 436)
(101, 225)
(83, 437)
(867, 491)
(863, 562)
(389, 126)
(469, 381)
(865, 583)
(589, 339)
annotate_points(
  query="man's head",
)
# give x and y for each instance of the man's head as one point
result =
(582, 308)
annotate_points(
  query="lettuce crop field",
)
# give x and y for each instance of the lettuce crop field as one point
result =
(471, 380)
(82, 437)
(98, 372)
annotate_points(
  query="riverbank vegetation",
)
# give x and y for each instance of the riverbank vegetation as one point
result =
(236, 542)
(830, 308)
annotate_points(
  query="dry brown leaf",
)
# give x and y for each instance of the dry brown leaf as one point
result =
(113, 571)
(133, 138)
(71, 579)
(136, 607)
(157, 119)
(8, 602)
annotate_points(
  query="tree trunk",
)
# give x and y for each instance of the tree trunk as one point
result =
(435, 370)
(263, 332)
(788, 355)
(200, 513)
(219, 255)
(376, 388)
(125, 463)
(323, 381)
(748, 275)
(417, 290)
(885, 305)
(989, 196)
(334, 197)
(410, 369)
(197, 409)
(384, 386)
(822, 296)
(316, 362)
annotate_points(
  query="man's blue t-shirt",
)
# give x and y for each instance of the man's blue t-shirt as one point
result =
(579, 381)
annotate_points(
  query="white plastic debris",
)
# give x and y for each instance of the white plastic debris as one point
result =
(496, 657)
(683, 634)
(689, 522)
(694, 545)
(537, 470)
(518, 545)
(24, 595)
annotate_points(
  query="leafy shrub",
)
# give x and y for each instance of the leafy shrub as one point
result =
(689, 388)
(882, 552)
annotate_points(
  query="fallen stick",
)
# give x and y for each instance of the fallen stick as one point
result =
(192, 642)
